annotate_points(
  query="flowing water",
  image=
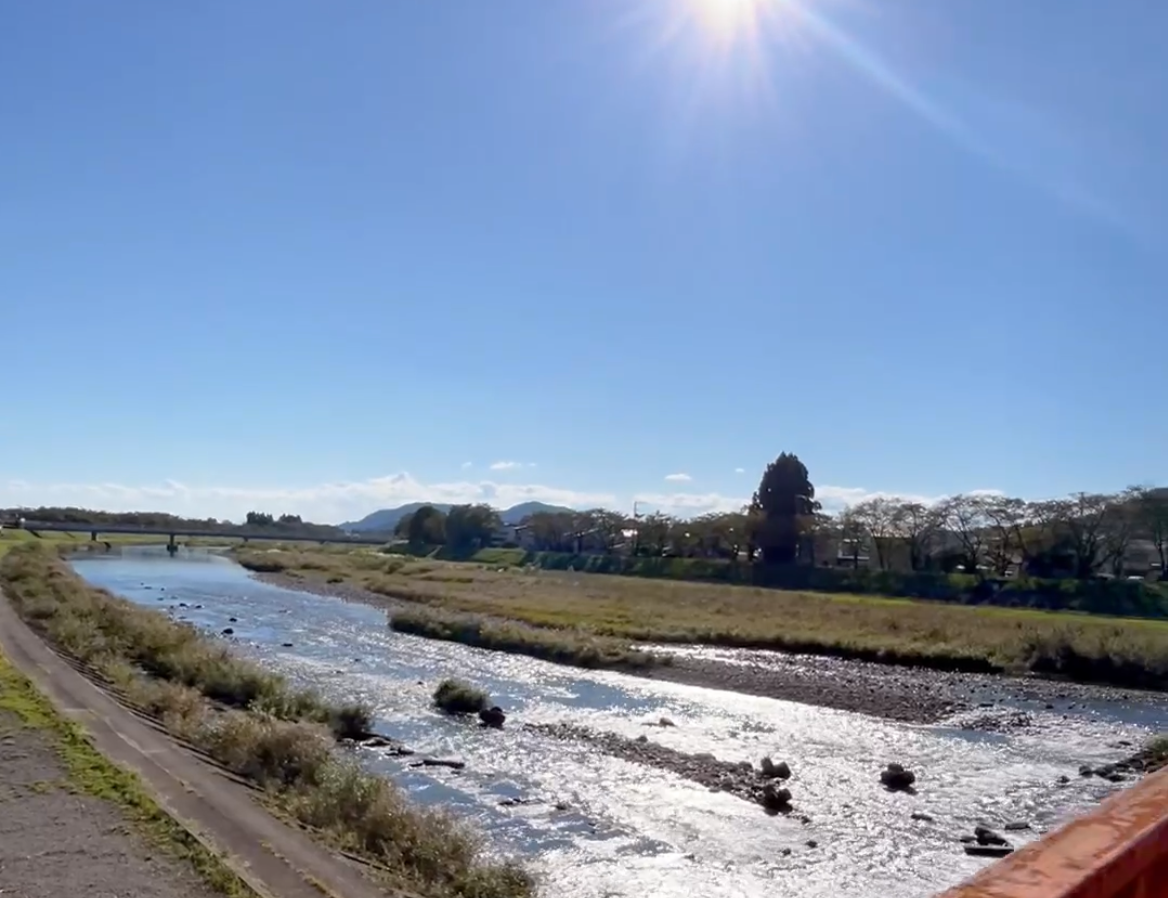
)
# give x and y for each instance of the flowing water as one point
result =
(597, 826)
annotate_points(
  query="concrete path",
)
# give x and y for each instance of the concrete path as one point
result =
(276, 860)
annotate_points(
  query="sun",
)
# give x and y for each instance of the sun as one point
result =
(728, 18)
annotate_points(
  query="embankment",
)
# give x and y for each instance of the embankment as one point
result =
(254, 724)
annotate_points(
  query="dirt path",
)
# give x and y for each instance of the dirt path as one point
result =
(57, 842)
(274, 859)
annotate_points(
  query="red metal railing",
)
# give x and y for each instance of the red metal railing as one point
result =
(1118, 850)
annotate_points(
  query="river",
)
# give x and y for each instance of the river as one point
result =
(630, 830)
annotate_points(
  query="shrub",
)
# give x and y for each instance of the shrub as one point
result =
(459, 697)
(268, 750)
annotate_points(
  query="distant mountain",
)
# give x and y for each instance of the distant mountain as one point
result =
(517, 513)
(386, 519)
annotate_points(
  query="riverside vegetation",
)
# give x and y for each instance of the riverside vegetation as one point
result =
(253, 722)
(1088, 648)
(459, 697)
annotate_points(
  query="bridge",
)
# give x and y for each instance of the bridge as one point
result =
(1118, 850)
(173, 533)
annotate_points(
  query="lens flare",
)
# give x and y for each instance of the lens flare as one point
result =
(729, 19)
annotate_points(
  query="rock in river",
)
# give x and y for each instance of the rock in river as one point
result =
(440, 762)
(986, 836)
(775, 798)
(780, 770)
(897, 778)
(493, 717)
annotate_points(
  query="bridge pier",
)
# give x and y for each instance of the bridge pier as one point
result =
(93, 536)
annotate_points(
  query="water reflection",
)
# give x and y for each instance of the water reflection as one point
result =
(598, 826)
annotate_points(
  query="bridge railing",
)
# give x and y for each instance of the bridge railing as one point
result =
(1118, 850)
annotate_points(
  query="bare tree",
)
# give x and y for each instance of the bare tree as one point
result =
(965, 517)
(877, 518)
(916, 524)
(1006, 518)
(1092, 525)
(1152, 520)
(853, 534)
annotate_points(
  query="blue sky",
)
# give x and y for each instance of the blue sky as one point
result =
(323, 258)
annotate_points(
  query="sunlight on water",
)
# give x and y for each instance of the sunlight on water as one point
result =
(598, 826)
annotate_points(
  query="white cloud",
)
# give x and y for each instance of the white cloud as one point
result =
(506, 465)
(341, 501)
(678, 478)
(740, 470)
(328, 502)
(835, 498)
(690, 504)
(466, 465)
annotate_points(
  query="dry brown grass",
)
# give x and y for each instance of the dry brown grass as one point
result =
(1118, 650)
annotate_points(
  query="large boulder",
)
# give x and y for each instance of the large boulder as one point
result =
(897, 778)
(775, 798)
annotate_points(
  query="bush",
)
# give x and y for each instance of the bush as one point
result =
(459, 697)
(269, 751)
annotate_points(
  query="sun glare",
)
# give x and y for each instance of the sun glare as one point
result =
(729, 18)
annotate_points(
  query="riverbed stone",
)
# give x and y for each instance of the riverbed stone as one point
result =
(769, 768)
(450, 763)
(986, 836)
(775, 798)
(896, 778)
(493, 717)
(989, 850)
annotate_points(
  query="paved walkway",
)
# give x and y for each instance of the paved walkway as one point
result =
(276, 860)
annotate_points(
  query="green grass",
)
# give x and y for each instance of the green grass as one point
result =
(1089, 648)
(253, 722)
(91, 773)
(71, 542)
(1155, 752)
(459, 697)
(577, 648)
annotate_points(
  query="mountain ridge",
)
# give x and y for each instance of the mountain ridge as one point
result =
(385, 519)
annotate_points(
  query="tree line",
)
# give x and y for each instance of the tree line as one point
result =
(1083, 535)
(286, 524)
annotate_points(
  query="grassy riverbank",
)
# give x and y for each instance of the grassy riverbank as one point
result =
(1087, 648)
(253, 722)
(577, 648)
(70, 542)
(1114, 597)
